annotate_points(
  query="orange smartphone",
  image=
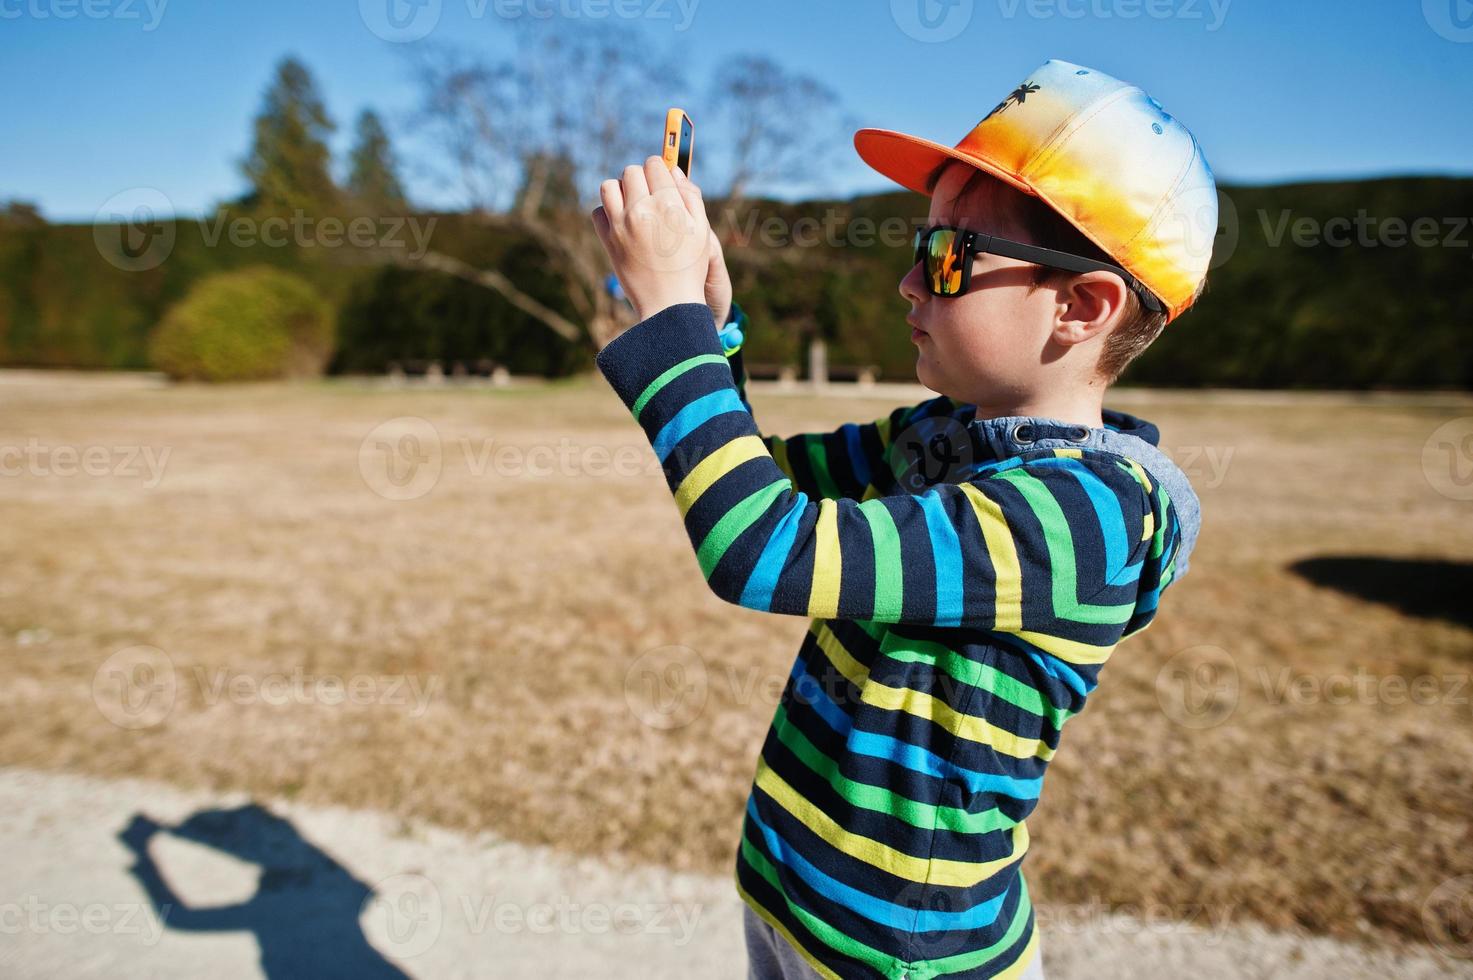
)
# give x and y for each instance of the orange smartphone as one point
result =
(679, 143)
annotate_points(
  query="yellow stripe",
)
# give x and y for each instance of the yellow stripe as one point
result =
(1069, 453)
(1140, 474)
(935, 871)
(780, 455)
(1071, 651)
(828, 564)
(1023, 962)
(1008, 573)
(843, 661)
(962, 725)
(711, 469)
(772, 920)
(1150, 525)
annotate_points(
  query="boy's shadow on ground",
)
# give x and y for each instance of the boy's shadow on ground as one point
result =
(1430, 588)
(306, 908)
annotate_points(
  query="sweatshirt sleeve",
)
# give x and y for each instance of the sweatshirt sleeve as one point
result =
(1049, 546)
(852, 462)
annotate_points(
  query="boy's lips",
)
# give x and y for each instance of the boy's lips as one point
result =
(916, 330)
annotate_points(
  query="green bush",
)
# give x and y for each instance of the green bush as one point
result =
(257, 322)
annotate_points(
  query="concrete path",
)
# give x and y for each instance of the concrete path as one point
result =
(132, 879)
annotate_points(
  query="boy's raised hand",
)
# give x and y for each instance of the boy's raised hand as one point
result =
(653, 225)
(718, 283)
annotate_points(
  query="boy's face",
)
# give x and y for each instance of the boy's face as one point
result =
(986, 347)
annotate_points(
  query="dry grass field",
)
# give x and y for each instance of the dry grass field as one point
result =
(1287, 743)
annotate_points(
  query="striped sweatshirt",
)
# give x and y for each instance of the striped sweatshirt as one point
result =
(965, 581)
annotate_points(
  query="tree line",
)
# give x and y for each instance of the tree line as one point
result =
(1333, 284)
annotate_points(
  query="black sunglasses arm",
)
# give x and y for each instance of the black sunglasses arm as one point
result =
(1061, 260)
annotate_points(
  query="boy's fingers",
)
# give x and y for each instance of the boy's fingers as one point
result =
(601, 224)
(657, 175)
(634, 185)
(717, 265)
(611, 192)
(691, 194)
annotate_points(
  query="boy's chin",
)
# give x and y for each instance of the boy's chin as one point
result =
(927, 375)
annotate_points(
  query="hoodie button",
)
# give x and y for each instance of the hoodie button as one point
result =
(1079, 433)
(1023, 432)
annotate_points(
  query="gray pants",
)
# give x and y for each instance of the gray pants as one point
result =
(771, 957)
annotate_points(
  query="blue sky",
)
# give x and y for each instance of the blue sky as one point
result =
(103, 96)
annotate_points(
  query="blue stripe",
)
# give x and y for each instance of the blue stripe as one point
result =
(1147, 601)
(904, 754)
(877, 910)
(693, 416)
(1112, 526)
(946, 551)
(857, 462)
(1061, 671)
(757, 594)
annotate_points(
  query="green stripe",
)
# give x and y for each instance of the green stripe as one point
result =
(922, 815)
(734, 522)
(821, 930)
(1061, 555)
(972, 960)
(1159, 544)
(985, 676)
(669, 375)
(889, 569)
(819, 459)
(853, 948)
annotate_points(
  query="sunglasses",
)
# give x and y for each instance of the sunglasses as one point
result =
(947, 253)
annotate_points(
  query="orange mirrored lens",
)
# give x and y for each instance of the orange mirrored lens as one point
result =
(943, 264)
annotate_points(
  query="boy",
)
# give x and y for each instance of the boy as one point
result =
(959, 619)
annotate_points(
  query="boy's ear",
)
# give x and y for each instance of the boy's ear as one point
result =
(1090, 304)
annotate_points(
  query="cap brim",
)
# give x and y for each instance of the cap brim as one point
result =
(909, 160)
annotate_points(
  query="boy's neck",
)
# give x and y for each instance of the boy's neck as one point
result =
(1083, 408)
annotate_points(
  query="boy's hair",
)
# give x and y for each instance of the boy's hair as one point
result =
(1045, 227)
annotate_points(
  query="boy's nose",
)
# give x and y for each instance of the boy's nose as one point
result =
(913, 285)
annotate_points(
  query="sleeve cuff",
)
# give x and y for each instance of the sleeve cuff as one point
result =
(646, 350)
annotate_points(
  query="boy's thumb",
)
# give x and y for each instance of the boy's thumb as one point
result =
(716, 273)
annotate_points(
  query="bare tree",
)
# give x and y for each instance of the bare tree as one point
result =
(531, 138)
(780, 125)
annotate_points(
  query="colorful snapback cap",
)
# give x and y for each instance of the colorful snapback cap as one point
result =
(1102, 153)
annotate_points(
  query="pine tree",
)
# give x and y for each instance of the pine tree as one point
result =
(374, 180)
(289, 166)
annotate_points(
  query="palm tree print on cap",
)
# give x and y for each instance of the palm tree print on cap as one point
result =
(1017, 97)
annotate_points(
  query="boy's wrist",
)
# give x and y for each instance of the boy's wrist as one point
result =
(635, 358)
